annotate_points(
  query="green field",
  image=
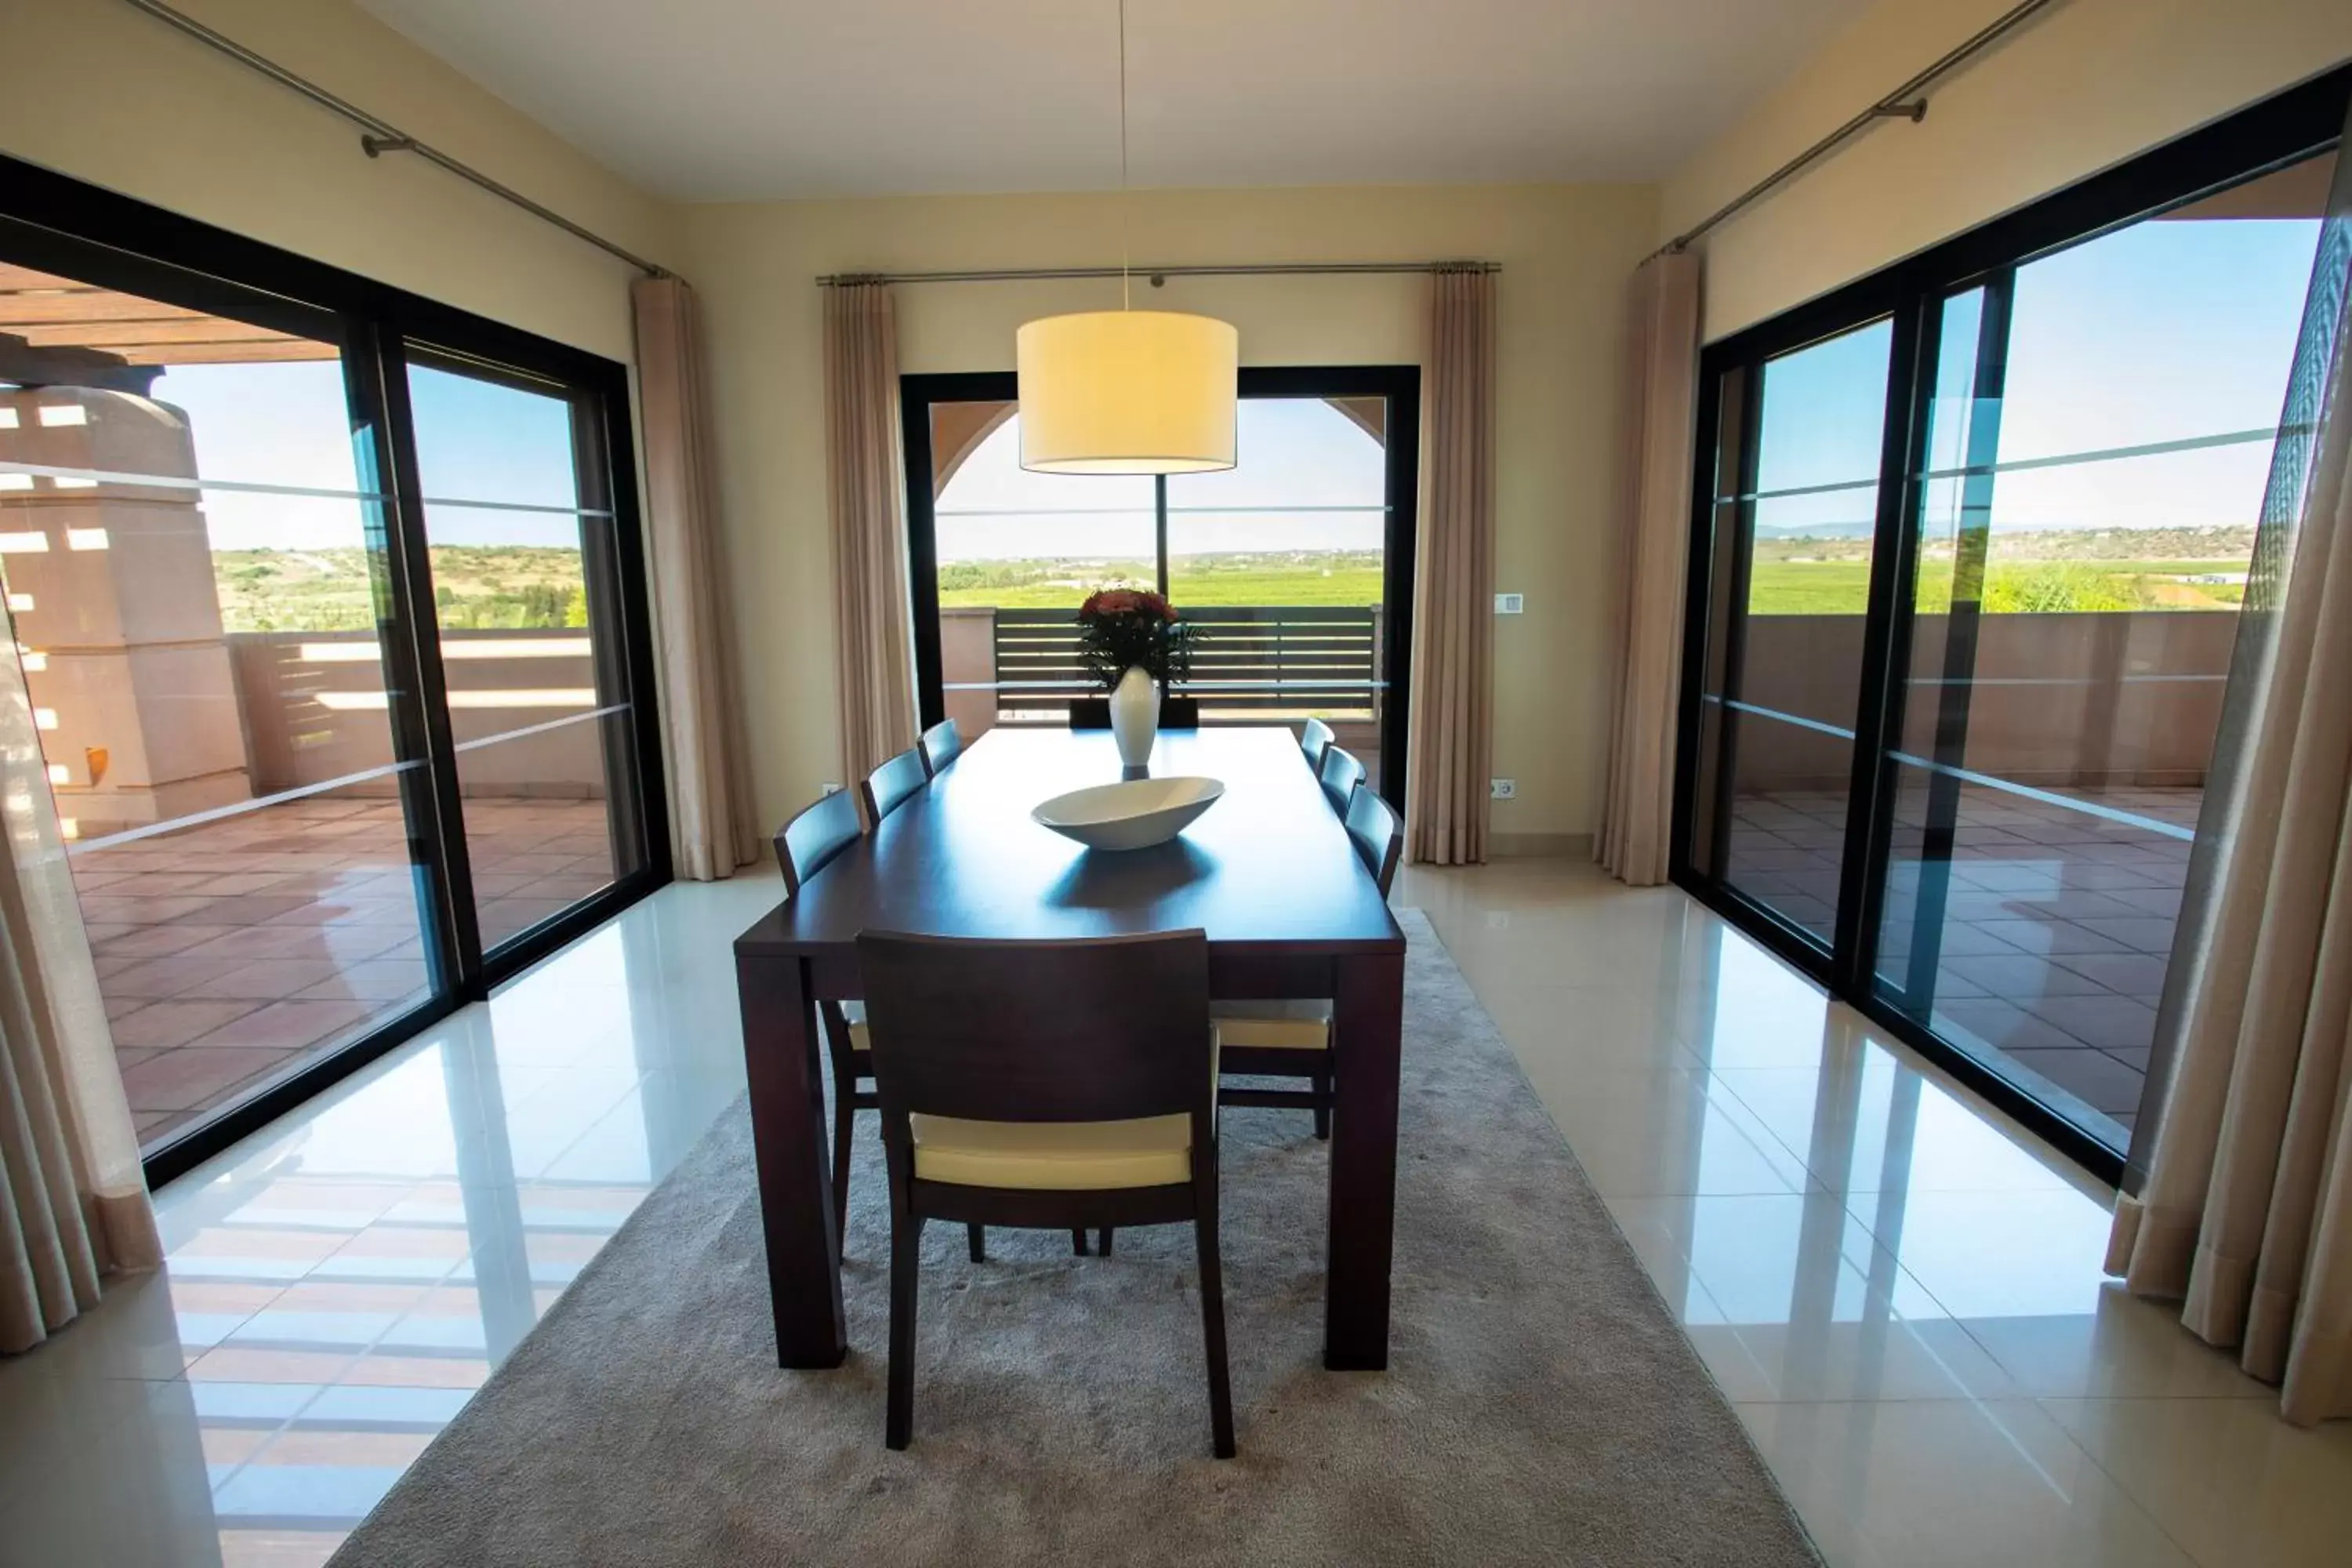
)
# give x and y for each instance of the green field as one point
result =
(2044, 571)
(524, 587)
(504, 587)
(1334, 577)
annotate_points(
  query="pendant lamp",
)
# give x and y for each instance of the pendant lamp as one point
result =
(1127, 391)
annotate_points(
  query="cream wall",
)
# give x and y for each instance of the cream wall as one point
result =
(2085, 85)
(1566, 253)
(98, 91)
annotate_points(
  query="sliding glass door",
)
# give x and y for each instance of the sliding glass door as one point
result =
(330, 610)
(1794, 514)
(1969, 567)
(1296, 564)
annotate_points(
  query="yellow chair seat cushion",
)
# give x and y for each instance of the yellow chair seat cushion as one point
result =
(1054, 1156)
(1275, 1024)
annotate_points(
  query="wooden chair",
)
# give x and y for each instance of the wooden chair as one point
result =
(1175, 712)
(1044, 1085)
(803, 847)
(941, 744)
(1312, 739)
(1293, 1039)
(1340, 773)
(890, 787)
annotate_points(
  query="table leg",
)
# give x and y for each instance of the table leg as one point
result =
(788, 1137)
(1367, 1034)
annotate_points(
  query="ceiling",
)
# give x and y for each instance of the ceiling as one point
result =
(755, 100)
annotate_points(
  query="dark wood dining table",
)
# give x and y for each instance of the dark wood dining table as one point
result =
(1268, 873)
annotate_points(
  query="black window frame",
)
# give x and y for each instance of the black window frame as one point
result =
(51, 222)
(2287, 128)
(1398, 384)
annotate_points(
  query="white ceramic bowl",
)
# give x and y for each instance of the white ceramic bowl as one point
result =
(1134, 814)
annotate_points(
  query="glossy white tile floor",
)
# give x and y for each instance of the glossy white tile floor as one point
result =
(1899, 1295)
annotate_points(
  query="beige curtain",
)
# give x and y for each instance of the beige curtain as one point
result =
(2246, 1213)
(869, 558)
(1451, 750)
(73, 1204)
(714, 825)
(1654, 507)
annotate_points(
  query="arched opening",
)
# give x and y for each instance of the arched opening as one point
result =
(1289, 561)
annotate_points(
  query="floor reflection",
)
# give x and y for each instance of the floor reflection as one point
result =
(338, 1286)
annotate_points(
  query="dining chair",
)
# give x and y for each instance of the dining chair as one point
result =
(1312, 739)
(890, 787)
(1340, 773)
(804, 846)
(1280, 1038)
(1044, 1085)
(941, 744)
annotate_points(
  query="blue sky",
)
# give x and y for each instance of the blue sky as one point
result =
(285, 424)
(2161, 331)
(1292, 453)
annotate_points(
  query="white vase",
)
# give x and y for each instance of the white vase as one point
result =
(1135, 715)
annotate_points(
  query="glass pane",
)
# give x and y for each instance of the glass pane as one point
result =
(521, 549)
(2100, 438)
(191, 548)
(1017, 554)
(1282, 561)
(1796, 509)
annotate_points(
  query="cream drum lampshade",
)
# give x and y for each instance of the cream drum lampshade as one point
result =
(1128, 391)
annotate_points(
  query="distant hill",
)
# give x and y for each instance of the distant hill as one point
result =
(475, 587)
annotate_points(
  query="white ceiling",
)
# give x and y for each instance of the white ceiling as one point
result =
(750, 100)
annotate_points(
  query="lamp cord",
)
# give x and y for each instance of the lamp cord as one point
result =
(1123, 301)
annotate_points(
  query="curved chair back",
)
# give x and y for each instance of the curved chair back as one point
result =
(886, 788)
(1377, 836)
(941, 744)
(1099, 1030)
(1313, 739)
(808, 841)
(1340, 773)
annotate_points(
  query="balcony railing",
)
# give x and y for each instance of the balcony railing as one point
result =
(1254, 659)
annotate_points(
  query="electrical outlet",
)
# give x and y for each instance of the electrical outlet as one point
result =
(1510, 604)
(1504, 789)
(828, 788)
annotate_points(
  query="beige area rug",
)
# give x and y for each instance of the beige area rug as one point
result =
(1540, 1406)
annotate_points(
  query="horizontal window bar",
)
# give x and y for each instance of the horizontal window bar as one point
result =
(1090, 689)
(2049, 797)
(1775, 713)
(302, 791)
(2066, 679)
(1989, 781)
(2117, 454)
(87, 477)
(2022, 465)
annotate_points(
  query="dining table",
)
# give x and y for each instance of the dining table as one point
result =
(1268, 873)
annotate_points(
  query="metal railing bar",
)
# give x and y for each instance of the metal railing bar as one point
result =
(301, 792)
(250, 486)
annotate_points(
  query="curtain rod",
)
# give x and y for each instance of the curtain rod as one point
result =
(1905, 102)
(380, 136)
(1157, 275)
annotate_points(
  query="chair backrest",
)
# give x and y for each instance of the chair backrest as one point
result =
(1312, 739)
(1099, 1030)
(823, 830)
(886, 789)
(1377, 836)
(941, 744)
(1340, 773)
